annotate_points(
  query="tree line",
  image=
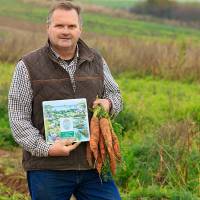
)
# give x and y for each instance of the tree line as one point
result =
(187, 12)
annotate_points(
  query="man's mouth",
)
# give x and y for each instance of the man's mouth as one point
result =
(65, 38)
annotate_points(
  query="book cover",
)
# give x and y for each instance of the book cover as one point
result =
(66, 119)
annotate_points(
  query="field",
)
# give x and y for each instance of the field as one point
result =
(152, 108)
(124, 4)
(163, 117)
(157, 67)
(111, 3)
(102, 24)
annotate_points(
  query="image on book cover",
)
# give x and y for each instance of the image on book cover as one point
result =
(66, 119)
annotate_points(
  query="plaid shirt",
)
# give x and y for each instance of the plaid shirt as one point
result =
(20, 104)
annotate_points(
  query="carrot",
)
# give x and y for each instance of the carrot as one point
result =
(89, 155)
(102, 147)
(116, 146)
(99, 163)
(106, 132)
(104, 143)
(94, 136)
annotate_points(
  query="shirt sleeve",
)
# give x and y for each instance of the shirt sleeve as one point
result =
(111, 90)
(20, 110)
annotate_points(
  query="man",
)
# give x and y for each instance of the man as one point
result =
(65, 68)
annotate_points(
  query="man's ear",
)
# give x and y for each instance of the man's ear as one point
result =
(81, 29)
(47, 27)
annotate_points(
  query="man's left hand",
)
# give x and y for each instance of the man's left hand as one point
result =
(105, 103)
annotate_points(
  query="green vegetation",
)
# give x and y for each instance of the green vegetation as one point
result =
(7, 194)
(158, 118)
(6, 140)
(99, 23)
(161, 141)
(111, 3)
(122, 3)
(114, 26)
(161, 118)
(159, 100)
(20, 10)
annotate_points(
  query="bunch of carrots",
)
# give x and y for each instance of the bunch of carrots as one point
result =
(104, 146)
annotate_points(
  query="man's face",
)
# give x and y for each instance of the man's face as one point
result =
(64, 29)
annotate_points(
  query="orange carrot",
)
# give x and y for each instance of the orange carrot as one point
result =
(116, 146)
(94, 135)
(102, 147)
(89, 155)
(106, 132)
(99, 163)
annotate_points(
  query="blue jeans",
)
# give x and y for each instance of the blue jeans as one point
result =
(60, 185)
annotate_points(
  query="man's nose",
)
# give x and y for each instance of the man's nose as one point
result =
(66, 29)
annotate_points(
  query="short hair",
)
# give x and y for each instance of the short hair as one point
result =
(64, 5)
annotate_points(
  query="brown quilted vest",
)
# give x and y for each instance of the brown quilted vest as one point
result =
(49, 81)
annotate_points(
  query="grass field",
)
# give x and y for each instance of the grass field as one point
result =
(153, 109)
(124, 3)
(137, 29)
(159, 100)
(99, 23)
(161, 117)
(112, 3)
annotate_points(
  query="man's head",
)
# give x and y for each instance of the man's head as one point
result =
(64, 25)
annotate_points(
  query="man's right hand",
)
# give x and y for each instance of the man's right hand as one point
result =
(62, 147)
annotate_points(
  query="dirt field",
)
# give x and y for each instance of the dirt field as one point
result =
(11, 173)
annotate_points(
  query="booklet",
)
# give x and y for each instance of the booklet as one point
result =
(66, 119)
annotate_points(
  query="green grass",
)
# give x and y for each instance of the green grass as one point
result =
(149, 105)
(25, 11)
(8, 194)
(111, 3)
(6, 71)
(114, 26)
(6, 140)
(157, 108)
(102, 24)
(159, 100)
(123, 3)
(5, 77)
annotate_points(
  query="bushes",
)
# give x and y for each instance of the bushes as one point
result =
(177, 147)
(163, 165)
(127, 118)
(161, 146)
(6, 139)
(195, 113)
(159, 8)
(157, 193)
(150, 49)
(187, 12)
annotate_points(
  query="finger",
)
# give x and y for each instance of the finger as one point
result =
(96, 102)
(69, 141)
(76, 144)
(73, 146)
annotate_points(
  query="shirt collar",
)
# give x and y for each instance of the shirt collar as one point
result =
(58, 56)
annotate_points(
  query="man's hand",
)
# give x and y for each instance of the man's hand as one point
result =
(62, 147)
(106, 103)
